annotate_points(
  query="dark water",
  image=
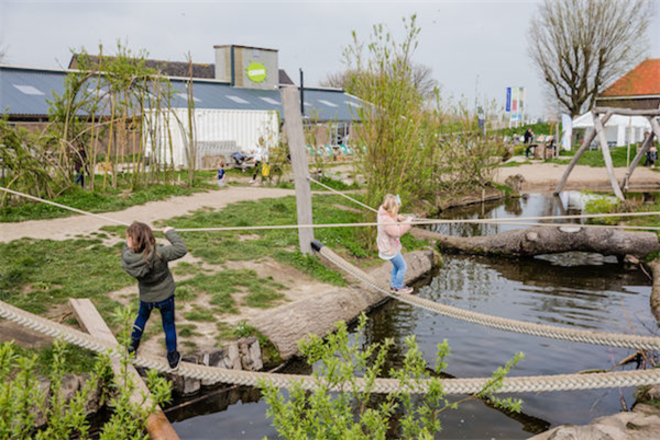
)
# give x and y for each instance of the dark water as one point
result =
(605, 297)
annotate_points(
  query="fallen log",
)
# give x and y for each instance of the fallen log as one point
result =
(317, 314)
(655, 290)
(552, 240)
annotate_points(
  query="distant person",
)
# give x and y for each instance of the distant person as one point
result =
(265, 172)
(258, 155)
(651, 156)
(391, 226)
(79, 161)
(222, 176)
(550, 148)
(146, 262)
(528, 136)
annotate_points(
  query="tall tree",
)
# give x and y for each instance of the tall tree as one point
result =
(582, 46)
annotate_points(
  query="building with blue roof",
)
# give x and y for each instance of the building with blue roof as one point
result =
(232, 110)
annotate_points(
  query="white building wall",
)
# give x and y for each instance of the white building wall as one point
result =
(218, 130)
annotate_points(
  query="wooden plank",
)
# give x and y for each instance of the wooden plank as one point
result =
(296, 140)
(642, 151)
(598, 125)
(158, 427)
(591, 135)
(627, 111)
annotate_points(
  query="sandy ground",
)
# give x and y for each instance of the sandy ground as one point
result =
(543, 177)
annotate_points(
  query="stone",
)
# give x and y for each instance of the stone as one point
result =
(515, 182)
(250, 353)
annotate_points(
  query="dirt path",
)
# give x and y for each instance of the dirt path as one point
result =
(545, 177)
(538, 177)
(65, 228)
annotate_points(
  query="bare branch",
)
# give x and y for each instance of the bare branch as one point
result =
(581, 46)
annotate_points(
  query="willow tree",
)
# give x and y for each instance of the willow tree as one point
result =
(390, 141)
(582, 46)
(114, 107)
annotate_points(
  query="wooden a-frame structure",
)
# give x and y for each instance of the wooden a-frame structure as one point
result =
(637, 93)
(599, 131)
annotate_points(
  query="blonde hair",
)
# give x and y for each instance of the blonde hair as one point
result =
(391, 204)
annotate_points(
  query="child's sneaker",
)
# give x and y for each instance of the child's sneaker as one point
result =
(174, 358)
(405, 289)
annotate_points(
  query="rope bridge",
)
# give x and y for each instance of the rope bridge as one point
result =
(451, 386)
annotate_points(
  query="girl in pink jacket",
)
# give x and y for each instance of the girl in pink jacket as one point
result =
(391, 226)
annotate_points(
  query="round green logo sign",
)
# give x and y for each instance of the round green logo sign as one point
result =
(256, 72)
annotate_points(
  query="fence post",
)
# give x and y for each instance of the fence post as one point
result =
(296, 140)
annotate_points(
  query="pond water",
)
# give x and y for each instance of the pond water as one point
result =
(571, 291)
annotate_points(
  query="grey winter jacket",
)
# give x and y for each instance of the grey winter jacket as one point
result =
(155, 280)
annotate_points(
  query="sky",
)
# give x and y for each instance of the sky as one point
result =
(476, 49)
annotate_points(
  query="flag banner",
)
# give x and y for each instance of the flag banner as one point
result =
(508, 99)
(521, 98)
(567, 131)
(514, 99)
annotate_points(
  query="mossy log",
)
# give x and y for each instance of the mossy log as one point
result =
(552, 240)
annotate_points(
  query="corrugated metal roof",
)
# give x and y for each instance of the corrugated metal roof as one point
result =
(17, 102)
(18, 96)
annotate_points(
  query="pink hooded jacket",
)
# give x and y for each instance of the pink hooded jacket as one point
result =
(388, 235)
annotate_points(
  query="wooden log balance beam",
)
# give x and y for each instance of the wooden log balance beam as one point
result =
(158, 426)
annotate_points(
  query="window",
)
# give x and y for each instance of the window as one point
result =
(29, 90)
(185, 96)
(237, 99)
(328, 103)
(339, 133)
(269, 100)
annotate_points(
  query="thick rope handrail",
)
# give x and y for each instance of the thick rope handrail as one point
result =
(512, 221)
(522, 384)
(547, 331)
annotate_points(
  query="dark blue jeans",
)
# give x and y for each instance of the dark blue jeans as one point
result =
(166, 312)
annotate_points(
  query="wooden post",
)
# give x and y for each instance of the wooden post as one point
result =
(591, 135)
(158, 427)
(642, 151)
(598, 125)
(296, 139)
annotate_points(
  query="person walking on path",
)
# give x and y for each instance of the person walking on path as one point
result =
(146, 262)
(258, 157)
(391, 226)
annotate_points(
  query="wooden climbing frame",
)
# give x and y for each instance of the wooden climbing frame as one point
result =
(599, 131)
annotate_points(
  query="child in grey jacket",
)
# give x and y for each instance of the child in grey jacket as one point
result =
(146, 262)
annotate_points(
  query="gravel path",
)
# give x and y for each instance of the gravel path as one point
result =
(543, 177)
(65, 228)
(538, 177)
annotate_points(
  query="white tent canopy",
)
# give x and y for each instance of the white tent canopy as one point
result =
(619, 130)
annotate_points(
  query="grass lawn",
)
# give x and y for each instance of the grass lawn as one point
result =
(100, 200)
(39, 275)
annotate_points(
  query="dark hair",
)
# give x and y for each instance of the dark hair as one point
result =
(143, 239)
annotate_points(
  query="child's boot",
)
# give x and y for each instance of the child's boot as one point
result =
(132, 348)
